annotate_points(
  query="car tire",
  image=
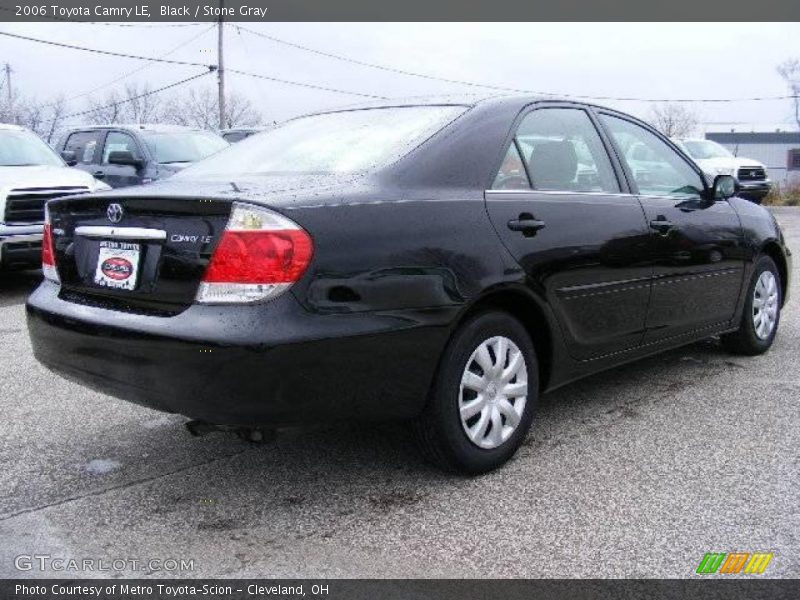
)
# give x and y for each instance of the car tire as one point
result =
(441, 430)
(763, 297)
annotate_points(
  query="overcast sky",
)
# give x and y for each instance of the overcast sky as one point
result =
(730, 60)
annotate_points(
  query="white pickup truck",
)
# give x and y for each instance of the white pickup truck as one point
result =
(31, 173)
(715, 160)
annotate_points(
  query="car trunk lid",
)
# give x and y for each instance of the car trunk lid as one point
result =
(139, 254)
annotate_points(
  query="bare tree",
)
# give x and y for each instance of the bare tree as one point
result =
(673, 120)
(136, 104)
(199, 108)
(790, 71)
(141, 105)
(45, 119)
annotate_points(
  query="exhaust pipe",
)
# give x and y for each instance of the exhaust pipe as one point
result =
(256, 435)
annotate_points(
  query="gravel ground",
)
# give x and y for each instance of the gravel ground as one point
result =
(636, 472)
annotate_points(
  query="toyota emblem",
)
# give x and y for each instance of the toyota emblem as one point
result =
(114, 213)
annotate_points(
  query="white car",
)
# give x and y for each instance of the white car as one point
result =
(31, 173)
(715, 160)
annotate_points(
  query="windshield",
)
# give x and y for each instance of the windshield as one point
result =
(343, 142)
(703, 149)
(24, 149)
(183, 146)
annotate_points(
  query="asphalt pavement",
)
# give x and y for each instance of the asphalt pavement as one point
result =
(637, 472)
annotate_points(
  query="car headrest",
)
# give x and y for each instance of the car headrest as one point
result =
(553, 165)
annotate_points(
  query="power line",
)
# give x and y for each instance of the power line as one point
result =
(497, 87)
(107, 52)
(137, 70)
(127, 100)
(312, 86)
(195, 64)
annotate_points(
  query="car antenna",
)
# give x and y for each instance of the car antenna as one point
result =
(235, 188)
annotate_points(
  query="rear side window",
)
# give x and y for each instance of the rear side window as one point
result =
(116, 141)
(564, 152)
(512, 175)
(84, 145)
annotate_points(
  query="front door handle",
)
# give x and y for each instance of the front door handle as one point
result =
(99, 174)
(661, 225)
(526, 224)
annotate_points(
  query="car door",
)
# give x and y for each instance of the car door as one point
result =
(86, 145)
(559, 208)
(695, 246)
(120, 175)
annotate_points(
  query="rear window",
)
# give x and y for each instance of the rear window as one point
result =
(183, 146)
(343, 142)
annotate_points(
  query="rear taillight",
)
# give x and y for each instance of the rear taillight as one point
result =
(260, 255)
(48, 250)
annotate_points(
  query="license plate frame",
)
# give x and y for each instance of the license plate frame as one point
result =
(118, 265)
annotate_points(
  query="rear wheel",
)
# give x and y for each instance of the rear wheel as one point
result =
(482, 401)
(761, 314)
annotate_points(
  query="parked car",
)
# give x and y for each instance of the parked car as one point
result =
(125, 155)
(30, 174)
(714, 159)
(237, 134)
(413, 266)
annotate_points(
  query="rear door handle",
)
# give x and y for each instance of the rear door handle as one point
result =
(99, 174)
(661, 225)
(526, 224)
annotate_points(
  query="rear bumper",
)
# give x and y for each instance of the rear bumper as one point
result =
(270, 364)
(20, 246)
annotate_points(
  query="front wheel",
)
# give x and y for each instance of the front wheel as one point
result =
(761, 314)
(482, 401)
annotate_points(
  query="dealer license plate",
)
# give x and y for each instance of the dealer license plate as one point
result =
(117, 265)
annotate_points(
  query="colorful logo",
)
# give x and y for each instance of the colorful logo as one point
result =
(734, 562)
(117, 268)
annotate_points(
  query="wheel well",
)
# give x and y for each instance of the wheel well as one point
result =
(530, 314)
(772, 250)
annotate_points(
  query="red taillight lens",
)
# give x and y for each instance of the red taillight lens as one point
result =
(48, 251)
(260, 255)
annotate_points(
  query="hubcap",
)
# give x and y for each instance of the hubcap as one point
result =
(494, 389)
(765, 305)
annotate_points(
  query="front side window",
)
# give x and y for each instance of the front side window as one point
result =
(345, 142)
(117, 141)
(656, 168)
(563, 152)
(24, 149)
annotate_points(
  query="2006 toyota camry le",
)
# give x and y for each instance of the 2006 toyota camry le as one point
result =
(438, 262)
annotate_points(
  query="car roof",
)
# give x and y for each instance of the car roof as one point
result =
(154, 127)
(11, 127)
(507, 100)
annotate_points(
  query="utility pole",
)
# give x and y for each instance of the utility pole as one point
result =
(8, 83)
(221, 68)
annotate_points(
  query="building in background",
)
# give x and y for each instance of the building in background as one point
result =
(778, 147)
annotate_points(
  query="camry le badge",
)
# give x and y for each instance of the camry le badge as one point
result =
(114, 213)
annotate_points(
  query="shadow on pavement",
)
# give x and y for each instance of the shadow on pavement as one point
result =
(15, 286)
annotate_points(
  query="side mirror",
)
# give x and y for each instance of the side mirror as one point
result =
(724, 187)
(124, 157)
(69, 157)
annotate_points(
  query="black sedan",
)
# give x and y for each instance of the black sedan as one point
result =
(442, 263)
